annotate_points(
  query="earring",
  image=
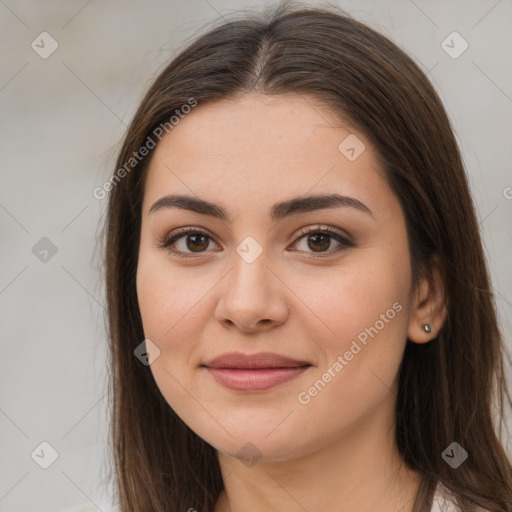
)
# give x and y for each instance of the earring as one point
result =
(427, 328)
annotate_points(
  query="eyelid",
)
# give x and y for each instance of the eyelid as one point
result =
(324, 228)
(335, 233)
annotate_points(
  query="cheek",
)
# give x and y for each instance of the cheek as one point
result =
(170, 302)
(172, 311)
(364, 311)
(351, 298)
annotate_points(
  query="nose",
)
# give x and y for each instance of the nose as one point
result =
(253, 298)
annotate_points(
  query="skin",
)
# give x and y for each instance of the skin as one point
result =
(336, 452)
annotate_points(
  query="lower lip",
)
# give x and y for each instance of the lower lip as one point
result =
(254, 380)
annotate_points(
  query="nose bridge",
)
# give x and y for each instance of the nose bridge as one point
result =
(251, 295)
(250, 277)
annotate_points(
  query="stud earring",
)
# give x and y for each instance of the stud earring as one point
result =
(427, 328)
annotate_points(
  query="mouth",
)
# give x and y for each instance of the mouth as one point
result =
(256, 372)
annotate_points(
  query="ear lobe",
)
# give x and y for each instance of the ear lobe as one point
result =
(429, 310)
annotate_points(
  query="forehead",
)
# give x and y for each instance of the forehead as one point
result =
(264, 148)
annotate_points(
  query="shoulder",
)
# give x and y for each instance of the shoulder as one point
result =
(444, 501)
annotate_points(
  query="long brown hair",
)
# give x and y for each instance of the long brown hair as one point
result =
(451, 389)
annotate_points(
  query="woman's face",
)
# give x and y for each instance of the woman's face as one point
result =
(263, 276)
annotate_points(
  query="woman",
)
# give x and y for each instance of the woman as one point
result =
(300, 313)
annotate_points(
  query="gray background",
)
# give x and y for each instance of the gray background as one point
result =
(62, 120)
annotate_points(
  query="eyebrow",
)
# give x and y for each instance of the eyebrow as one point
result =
(277, 212)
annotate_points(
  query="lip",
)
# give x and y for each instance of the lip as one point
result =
(241, 361)
(254, 380)
(254, 372)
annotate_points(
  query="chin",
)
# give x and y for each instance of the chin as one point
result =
(254, 444)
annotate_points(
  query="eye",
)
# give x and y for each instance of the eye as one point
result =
(319, 239)
(185, 242)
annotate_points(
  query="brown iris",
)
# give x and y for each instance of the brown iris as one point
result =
(193, 247)
(325, 241)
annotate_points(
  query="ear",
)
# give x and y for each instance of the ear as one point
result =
(429, 304)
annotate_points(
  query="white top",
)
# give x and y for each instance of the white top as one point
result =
(444, 501)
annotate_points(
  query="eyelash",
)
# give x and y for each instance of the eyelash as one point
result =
(325, 230)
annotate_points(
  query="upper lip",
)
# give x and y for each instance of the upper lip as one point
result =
(251, 361)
